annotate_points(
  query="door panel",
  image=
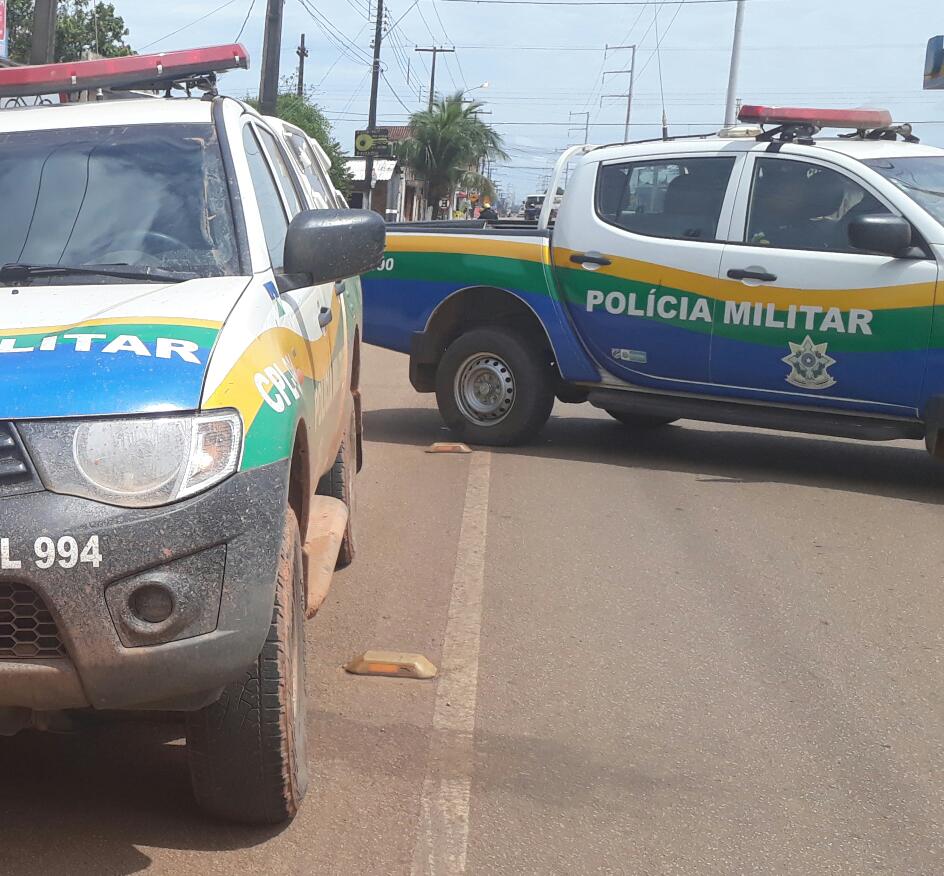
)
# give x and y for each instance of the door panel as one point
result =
(807, 318)
(308, 310)
(639, 276)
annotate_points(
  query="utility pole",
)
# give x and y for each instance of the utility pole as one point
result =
(374, 90)
(629, 94)
(271, 50)
(730, 116)
(436, 50)
(43, 49)
(302, 53)
(586, 127)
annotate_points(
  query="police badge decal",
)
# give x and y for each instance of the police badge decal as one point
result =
(809, 365)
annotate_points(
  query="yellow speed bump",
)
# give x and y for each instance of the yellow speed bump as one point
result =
(394, 664)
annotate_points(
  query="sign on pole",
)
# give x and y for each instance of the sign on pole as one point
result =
(934, 63)
(4, 47)
(373, 143)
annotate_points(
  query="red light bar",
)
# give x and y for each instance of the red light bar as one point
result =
(820, 118)
(142, 72)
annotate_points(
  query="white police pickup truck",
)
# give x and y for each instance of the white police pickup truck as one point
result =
(179, 412)
(767, 276)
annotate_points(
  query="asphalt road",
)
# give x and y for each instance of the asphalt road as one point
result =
(702, 650)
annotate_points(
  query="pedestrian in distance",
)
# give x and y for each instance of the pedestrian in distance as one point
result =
(488, 214)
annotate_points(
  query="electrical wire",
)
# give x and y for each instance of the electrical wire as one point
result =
(394, 92)
(336, 36)
(338, 59)
(191, 24)
(245, 21)
(589, 2)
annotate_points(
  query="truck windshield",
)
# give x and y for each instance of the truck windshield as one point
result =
(142, 195)
(921, 178)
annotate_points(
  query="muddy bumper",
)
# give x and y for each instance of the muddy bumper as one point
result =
(136, 609)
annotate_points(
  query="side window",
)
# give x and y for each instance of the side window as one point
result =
(271, 209)
(285, 173)
(309, 163)
(797, 205)
(676, 198)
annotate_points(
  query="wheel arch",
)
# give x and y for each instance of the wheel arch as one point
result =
(299, 479)
(468, 308)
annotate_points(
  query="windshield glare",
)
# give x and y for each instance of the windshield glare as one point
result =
(143, 195)
(921, 178)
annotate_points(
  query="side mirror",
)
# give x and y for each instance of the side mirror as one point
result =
(881, 233)
(332, 245)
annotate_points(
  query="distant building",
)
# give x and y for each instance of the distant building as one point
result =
(397, 194)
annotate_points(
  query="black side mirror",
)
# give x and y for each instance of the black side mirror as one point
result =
(331, 245)
(881, 233)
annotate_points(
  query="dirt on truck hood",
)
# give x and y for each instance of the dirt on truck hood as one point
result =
(87, 350)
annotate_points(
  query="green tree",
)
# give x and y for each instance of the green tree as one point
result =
(81, 25)
(446, 146)
(299, 111)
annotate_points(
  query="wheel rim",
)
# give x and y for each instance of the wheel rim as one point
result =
(485, 389)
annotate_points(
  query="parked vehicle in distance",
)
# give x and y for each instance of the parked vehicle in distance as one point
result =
(532, 207)
(774, 278)
(180, 429)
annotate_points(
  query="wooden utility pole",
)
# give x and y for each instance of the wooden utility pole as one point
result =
(436, 50)
(43, 49)
(302, 53)
(271, 49)
(374, 91)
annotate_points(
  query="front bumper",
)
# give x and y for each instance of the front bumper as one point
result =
(217, 553)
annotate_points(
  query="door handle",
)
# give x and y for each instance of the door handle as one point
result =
(325, 316)
(763, 276)
(587, 258)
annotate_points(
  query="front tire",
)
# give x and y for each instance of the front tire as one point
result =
(248, 751)
(494, 387)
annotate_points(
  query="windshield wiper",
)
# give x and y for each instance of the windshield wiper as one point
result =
(17, 272)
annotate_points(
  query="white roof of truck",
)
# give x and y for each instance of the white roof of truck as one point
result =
(128, 111)
(861, 150)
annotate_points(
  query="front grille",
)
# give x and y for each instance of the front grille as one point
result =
(27, 629)
(16, 471)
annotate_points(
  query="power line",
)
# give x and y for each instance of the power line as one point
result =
(337, 37)
(340, 55)
(397, 96)
(589, 2)
(465, 82)
(245, 21)
(191, 24)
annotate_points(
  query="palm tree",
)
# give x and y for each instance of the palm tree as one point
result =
(447, 142)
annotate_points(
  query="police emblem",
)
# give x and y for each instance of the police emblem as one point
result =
(809, 365)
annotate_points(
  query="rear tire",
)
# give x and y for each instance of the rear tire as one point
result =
(339, 482)
(494, 387)
(640, 421)
(248, 751)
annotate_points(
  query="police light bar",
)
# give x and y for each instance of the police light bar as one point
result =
(860, 120)
(132, 72)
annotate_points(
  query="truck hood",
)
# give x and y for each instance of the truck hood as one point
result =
(84, 350)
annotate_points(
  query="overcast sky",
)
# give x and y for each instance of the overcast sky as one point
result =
(543, 62)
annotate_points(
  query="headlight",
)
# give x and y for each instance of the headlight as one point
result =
(135, 462)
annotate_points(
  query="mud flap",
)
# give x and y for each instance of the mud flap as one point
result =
(327, 520)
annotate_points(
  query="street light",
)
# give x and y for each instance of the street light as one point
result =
(477, 87)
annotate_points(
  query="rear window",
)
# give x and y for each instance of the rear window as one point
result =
(676, 198)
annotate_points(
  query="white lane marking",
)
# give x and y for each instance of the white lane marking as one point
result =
(443, 835)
